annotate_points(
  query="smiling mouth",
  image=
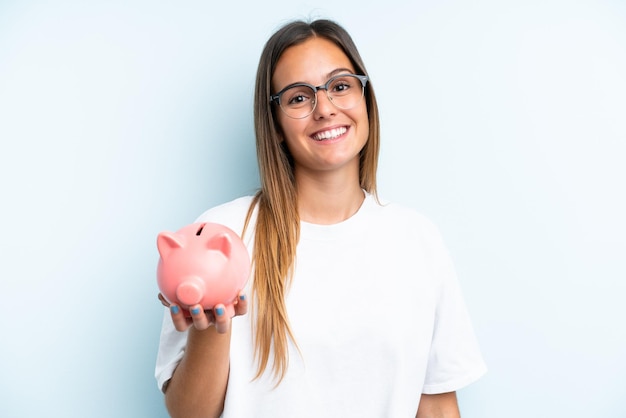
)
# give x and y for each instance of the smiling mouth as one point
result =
(330, 134)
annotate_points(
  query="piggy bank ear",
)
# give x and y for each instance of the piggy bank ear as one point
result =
(168, 241)
(221, 243)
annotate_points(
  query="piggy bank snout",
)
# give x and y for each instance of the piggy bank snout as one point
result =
(190, 291)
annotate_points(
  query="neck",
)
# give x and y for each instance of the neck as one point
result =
(328, 200)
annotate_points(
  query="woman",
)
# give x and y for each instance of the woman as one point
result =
(355, 308)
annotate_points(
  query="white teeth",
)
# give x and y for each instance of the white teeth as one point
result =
(333, 133)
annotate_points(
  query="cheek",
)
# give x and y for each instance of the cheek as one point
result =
(290, 128)
(363, 123)
(366, 131)
(282, 126)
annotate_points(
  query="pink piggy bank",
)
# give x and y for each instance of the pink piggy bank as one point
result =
(202, 263)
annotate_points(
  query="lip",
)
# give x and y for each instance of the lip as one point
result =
(330, 133)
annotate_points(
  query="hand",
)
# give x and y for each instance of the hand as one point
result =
(203, 319)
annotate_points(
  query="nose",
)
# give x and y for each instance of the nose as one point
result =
(324, 107)
(191, 291)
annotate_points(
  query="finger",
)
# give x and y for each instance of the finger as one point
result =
(241, 307)
(199, 318)
(164, 301)
(181, 323)
(222, 320)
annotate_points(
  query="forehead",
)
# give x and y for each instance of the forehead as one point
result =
(312, 61)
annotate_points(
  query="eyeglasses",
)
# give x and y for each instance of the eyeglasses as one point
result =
(298, 100)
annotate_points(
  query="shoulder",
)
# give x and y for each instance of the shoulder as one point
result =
(404, 218)
(231, 214)
(406, 226)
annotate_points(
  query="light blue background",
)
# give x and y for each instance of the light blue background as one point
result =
(503, 121)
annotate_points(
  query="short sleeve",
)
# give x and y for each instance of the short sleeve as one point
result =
(455, 359)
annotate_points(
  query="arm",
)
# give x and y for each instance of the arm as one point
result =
(442, 405)
(198, 386)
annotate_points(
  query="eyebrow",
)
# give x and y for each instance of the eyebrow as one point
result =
(328, 77)
(339, 71)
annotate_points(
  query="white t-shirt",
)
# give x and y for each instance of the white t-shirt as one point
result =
(377, 313)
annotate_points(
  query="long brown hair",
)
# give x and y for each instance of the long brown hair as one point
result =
(277, 227)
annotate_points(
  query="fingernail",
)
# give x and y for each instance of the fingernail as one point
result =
(174, 309)
(242, 297)
(219, 311)
(195, 311)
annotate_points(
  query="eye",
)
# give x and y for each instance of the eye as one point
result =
(341, 85)
(298, 96)
(298, 99)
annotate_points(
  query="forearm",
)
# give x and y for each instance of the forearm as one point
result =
(442, 405)
(198, 386)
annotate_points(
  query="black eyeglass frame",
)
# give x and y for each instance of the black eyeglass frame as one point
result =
(275, 98)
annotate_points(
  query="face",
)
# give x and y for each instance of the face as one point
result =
(330, 138)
